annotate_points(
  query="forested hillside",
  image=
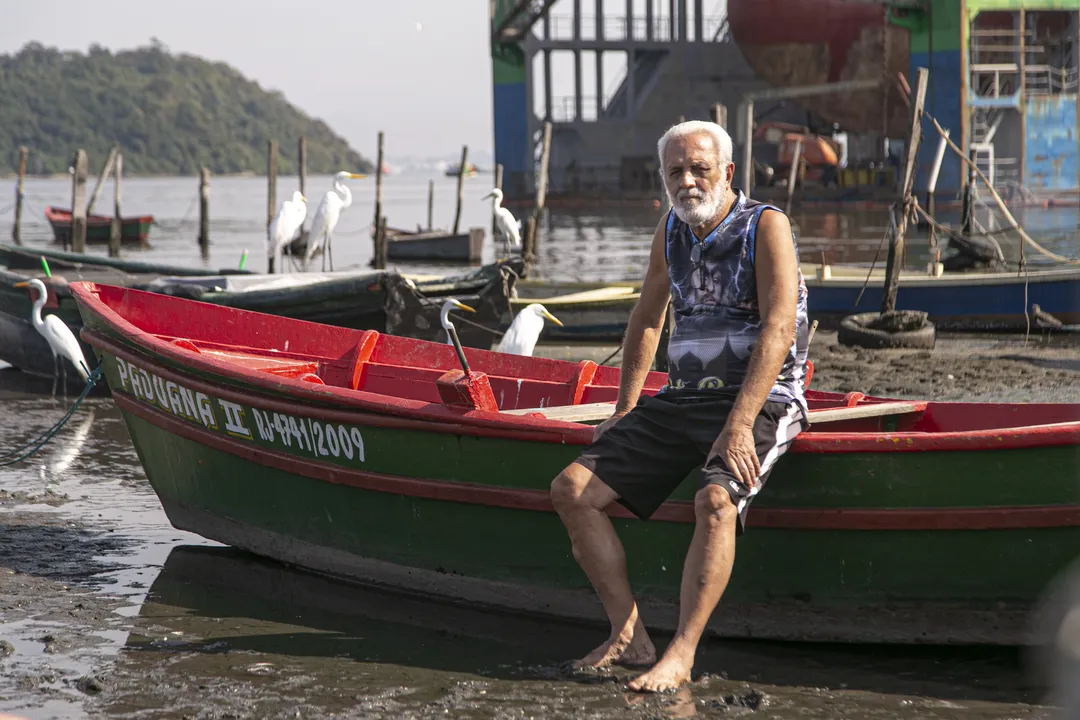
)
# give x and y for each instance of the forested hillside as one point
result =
(170, 114)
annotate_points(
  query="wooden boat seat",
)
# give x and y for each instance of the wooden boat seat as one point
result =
(598, 412)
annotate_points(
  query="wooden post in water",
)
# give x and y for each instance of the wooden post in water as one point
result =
(78, 203)
(896, 246)
(532, 241)
(718, 115)
(16, 230)
(498, 184)
(748, 148)
(105, 170)
(204, 211)
(793, 173)
(378, 185)
(115, 229)
(379, 259)
(271, 184)
(460, 187)
(301, 163)
(430, 202)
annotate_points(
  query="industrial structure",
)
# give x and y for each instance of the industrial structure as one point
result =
(1003, 82)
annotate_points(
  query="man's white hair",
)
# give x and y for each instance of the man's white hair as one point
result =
(719, 135)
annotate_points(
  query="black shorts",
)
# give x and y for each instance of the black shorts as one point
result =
(651, 450)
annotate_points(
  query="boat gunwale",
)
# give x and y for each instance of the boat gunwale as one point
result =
(387, 410)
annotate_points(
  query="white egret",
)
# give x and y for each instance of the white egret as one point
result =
(285, 226)
(505, 222)
(61, 340)
(326, 217)
(451, 331)
(521, 336)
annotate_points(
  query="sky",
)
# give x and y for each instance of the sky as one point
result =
(420, 70)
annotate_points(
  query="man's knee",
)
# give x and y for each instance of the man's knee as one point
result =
(713, 504)
(574, 488)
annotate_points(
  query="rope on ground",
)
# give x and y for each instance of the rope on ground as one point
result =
(27, 449)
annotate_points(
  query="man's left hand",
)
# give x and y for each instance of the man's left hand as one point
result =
(735, 446)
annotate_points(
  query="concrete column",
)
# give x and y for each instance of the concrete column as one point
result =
(648, 19)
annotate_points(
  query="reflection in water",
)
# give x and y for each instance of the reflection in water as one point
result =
(66, 450)
(224, 629)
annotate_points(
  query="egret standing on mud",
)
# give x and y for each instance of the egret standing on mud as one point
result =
(326, 217)
(451, 331)
(521, 337)
(61, 340)
(505, 222)
(284, 227)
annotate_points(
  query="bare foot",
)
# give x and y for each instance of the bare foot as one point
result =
(637, 649)
(668, 674)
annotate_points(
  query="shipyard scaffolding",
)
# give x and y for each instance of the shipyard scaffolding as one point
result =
(679, 61)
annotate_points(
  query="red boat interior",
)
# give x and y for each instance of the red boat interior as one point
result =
(367, 361)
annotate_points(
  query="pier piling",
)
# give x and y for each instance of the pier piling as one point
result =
(16, 230)
(204, 211)
(460, 186)
(115, 228)
(78, 203)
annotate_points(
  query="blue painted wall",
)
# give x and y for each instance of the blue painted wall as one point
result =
(943, 101)
(512, 136)
(1052, 149)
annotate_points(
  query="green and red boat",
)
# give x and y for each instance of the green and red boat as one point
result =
(375, 458)
(134, 229)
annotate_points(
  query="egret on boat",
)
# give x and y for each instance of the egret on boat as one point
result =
(521, 336)
(327, 215)
(505, 222)
(285, 226)
(61, 340)
(451, 331)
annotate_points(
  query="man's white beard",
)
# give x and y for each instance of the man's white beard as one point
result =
(695, 207)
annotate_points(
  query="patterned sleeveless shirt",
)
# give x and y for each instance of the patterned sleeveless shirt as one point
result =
(717, 321)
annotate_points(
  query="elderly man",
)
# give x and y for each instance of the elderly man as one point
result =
(732, 404)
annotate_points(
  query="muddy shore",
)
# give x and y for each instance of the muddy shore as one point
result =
(108, 611)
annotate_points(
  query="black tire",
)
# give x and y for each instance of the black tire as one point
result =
(858, 330)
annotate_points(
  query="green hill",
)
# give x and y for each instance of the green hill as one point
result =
(170, 114)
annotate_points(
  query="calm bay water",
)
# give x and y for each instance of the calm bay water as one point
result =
(588, 244)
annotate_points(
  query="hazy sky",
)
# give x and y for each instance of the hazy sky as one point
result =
(418, 69)
(360, 65)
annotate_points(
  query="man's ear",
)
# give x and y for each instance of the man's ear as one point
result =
(730, 173)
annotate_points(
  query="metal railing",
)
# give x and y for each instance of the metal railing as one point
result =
(561, 28)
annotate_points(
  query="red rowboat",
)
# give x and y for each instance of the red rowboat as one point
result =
(374, 458)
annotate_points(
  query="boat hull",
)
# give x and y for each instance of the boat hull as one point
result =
(387, 305)
(133, 230)
(462, 247)
(976, 302)
(871, 543)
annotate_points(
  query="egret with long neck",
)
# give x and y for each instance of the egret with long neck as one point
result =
(451, 331)
(326, 217)
(61, 340)
(505, 222)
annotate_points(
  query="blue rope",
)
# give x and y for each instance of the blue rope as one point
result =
(29, 448)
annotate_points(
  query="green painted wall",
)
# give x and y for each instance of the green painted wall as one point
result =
(937, 29)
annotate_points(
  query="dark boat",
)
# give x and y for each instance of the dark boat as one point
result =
(438, 245)
(134, 230)
(386, 301)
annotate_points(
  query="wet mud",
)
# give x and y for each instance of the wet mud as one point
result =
(106, 610)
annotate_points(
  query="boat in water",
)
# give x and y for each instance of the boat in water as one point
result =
(379, 460)
(134, 229)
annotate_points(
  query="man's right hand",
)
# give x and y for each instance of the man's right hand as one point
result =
(607, 425)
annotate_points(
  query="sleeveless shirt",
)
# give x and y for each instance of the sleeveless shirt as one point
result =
(717, 320)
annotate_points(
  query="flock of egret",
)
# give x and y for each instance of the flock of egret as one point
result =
(285, 228)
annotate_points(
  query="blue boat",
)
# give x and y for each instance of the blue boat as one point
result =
(954, 301)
